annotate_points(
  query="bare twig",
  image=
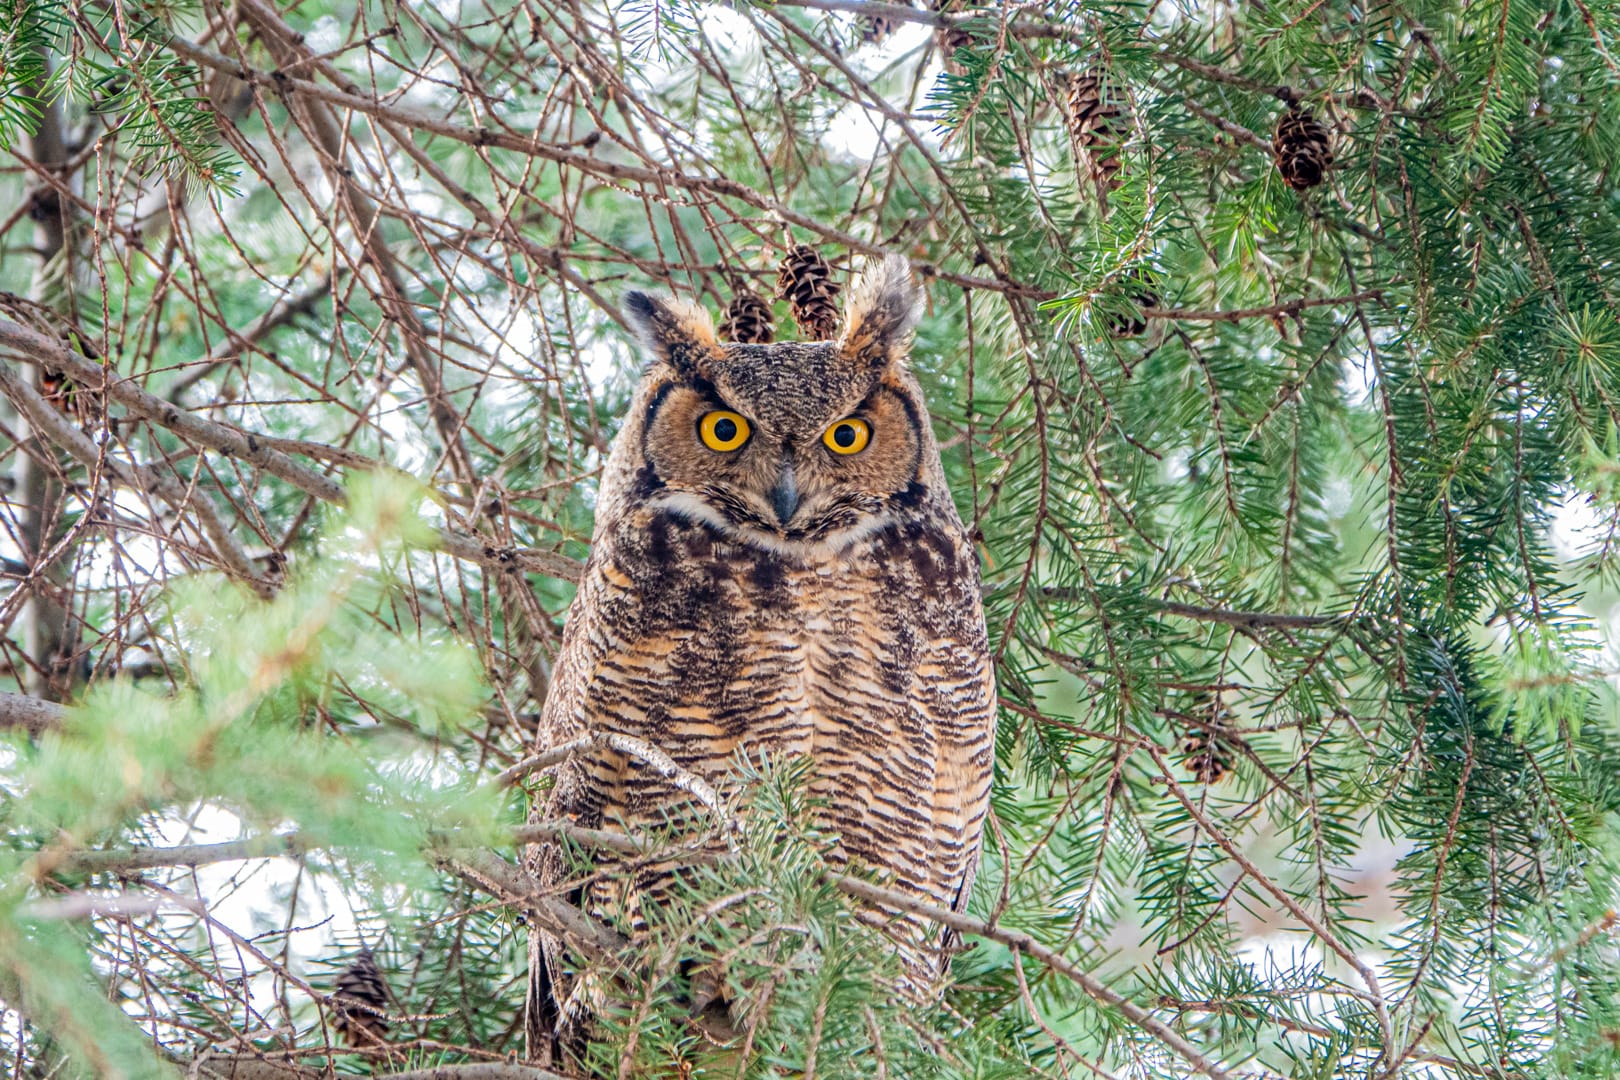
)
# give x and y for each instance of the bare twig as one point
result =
(233, 442)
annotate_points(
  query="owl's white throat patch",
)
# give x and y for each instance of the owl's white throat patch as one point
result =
(825, 546)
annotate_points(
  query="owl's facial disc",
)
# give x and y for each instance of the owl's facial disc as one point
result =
(813, 480)
(795, 447)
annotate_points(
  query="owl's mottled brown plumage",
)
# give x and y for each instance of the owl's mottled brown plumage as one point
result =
(783, 599)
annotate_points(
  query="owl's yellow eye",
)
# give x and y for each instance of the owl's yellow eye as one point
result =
(848, 436)
(723, 430)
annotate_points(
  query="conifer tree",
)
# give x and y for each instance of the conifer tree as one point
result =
(1274, 353)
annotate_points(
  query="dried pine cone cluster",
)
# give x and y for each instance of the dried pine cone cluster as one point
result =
(1098, 125)
(361, 999)
(1304, 150)
(805, 281)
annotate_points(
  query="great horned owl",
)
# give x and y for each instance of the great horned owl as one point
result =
(778, 567)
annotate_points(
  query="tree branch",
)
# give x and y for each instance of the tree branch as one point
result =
(1291, 307)
(35, 714)
(499, 878)
(183, 497)
(643, 751)
(1248, 620)
(1024, 943)
(531, 145)
(243, 1067)
(577, 930)
(279, 315)
(233, 442)
(288, 48)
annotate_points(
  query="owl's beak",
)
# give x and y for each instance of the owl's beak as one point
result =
(785, 495)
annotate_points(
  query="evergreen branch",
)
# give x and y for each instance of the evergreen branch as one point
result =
(1597, 37)
(1329, 939)
(724, 187)
(1288, 95)
(494, 875)
(36, 348)
(1034, 29)
(279, 315)
(1248, 620)
(1237, 131)
(1291, 307)
(1287, 1023)
(1026, 944)
(485, 870)
(332, 141)
(242, 1067)
(129, 860)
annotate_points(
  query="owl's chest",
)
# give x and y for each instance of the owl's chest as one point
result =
(731, 621)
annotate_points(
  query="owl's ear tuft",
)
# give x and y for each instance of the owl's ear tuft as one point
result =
(676, 332)
(883, 308)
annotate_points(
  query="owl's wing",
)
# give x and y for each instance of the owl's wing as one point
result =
(960, 703)
(566, 796)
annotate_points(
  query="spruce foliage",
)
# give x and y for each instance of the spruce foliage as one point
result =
(1291, 451)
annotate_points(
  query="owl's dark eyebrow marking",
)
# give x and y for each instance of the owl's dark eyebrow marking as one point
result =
(657, 402)
(706, 389)
(653, 406)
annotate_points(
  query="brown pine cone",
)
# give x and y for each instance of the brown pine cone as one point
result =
(870, 28)
(1209, 750)
(748, 319)
(805, 280)
(1304, 149)
(947, 39)
(360, 998)
(1098, 126)
(1142, 285)
(1208, 758)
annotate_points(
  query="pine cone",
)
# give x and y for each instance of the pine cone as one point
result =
(805, 280)
(1210, 751)
(748, 319)
(947, 39)
(61, 392)
(1143, 286)
(872, 28)
(361, 996)
(1208, 758)
(1303, 148)
(1099, 127)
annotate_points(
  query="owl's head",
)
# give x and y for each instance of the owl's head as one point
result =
(786, 446)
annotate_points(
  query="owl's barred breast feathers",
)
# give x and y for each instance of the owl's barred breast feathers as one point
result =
(778, 568)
